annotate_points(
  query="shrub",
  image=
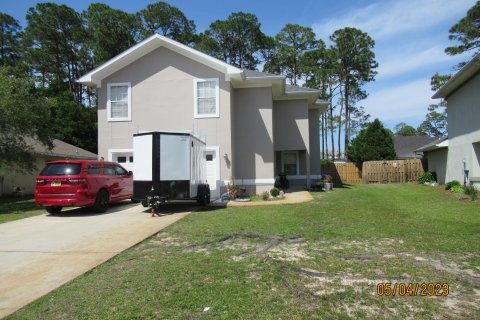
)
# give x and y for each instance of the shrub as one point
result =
(275, 192)
(458, 188)
(265, 195)
(427, 177)
(470, 191)
(326, 161)
(232, 188)
(452, 183)
(252, 196)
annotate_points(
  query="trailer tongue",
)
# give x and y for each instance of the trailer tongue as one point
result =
(169, 166)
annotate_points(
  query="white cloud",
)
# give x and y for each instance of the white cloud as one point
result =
(408, 100)
(383, 19)
(412, 59)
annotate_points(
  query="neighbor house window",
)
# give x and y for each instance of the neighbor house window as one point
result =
(119, 105)
(290, 163)
(206, 96)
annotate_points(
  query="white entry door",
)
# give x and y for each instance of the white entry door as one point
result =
(125, 159)
(211, 156)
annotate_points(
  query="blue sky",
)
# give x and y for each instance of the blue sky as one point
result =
(410, 37)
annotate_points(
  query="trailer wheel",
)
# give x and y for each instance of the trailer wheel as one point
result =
(203, 195)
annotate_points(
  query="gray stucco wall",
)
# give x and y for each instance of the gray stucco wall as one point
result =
(314, 129)
(463, 108)
(253, 134)
(437, 162)
(162, 85)
(290, 125)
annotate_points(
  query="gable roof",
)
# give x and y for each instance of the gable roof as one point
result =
(60, 149)
(238, 77)
(462, 76)
(405, 146)
(437, 144)
(94, 77)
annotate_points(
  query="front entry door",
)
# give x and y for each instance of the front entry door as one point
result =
(212, 164)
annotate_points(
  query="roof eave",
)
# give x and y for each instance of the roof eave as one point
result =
(468, 71)
(94, 77)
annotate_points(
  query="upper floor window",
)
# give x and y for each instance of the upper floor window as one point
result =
(206, 95)
(119, 105)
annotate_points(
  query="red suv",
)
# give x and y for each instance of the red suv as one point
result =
(82, 183)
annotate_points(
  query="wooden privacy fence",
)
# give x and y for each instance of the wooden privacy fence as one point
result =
(343, 172)
(392, 171)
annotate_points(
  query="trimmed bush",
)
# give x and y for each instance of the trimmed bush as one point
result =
(452, 183)
(427, 177)
(265, 195)
(275, 192)
(458, 188)
(471, 191)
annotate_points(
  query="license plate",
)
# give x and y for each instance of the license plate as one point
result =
(56, 184)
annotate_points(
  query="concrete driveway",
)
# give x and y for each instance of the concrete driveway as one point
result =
(41, 253)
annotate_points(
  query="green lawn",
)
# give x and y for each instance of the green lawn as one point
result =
(318, 260)
(14, 208)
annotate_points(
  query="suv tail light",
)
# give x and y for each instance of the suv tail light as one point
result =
(40, 181)
(76, 180)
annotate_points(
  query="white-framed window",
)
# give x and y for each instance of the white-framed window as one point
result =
(119, 103)
(290, 163)
(206, 98)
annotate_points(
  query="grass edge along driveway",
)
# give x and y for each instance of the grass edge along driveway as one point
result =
(317, 260)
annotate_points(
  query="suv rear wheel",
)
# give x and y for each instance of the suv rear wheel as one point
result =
(101, 202)
(53, 209)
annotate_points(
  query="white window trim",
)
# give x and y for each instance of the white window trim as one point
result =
(195, 99)
(298, 162)
(109, 114)
(112, 151)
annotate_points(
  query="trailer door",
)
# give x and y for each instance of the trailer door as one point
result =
(174, 157)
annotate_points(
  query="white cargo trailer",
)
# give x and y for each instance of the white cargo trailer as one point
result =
(169, 166)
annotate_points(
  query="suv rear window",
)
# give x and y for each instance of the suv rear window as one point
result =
(61, 169)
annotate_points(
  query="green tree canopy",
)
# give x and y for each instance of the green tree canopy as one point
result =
(435, 123)
(372, 143)
(10, 35)
(290, 57)
(466, 32)
(55, 38)
(356, 65)
(237, 40)
(168, 21)
(24, 114)
(110, 31)
(403, 129)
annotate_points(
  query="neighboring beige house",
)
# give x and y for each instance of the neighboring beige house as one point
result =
(12, 182)
(254, 124)
(451, 158)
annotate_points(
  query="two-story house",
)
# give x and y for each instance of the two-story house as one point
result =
(254, 124)
(458, 157)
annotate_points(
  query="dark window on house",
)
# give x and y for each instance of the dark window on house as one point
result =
(209, 157)
(131, 159)
(121, 159)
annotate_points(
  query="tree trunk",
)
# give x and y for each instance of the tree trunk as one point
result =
(347, 119)
(332, 124)
(340, 123)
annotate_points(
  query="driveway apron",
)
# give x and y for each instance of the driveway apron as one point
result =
(41, 253)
